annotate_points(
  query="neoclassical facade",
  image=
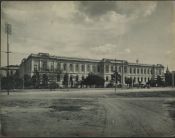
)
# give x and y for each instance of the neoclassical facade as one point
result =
(79, 68)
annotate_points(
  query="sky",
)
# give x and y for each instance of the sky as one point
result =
(127, 30)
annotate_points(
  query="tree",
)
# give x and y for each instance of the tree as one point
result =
(152, 82)
(168, 78)
(116, 77)
(128, 81)
(35, 79)
(18, 82)
(93, 79)
(45, 80)
(159, 81)
(71, 80)
(27, 80)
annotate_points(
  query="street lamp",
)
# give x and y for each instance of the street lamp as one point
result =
(8, 31)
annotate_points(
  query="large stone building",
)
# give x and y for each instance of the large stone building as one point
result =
(79, 68)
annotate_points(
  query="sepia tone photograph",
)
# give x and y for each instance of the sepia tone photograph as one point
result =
(87, 69)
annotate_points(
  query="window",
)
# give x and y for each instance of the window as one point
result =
(52, 67)
(107, 68)
(141, 71)
(107, 78)
(138, 79)
(44, 65)
(77, 67)
(98, 68)
(71, 67)
(82, 68)
(58, 66)
(130, 70)
(35, 67)
(151, 71)
(93, 68)
(141, 79)
(111, 68)
(134, 71)
(125, 69)
(65, 67)
(138, 71)
(88, 68)
(144, 71)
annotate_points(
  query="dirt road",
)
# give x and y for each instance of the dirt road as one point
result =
(137, 117)
(88, 113)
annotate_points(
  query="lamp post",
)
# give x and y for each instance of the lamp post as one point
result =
(8, 32)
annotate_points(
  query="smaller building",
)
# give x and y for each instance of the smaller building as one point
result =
(13, 69)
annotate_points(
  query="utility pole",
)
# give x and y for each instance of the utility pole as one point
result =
(122, 73)
(23, 76)
(115, 76)
(0, 68)
(8, 32)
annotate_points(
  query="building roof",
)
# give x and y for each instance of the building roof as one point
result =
(11, 67)
(47, 55)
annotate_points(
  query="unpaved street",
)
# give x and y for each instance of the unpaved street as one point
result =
(136, 117)
(88, 113)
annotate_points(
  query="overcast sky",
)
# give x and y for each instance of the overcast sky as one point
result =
(116, 29)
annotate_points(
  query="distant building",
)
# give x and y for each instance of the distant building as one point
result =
(13, 69)
(56, 66)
